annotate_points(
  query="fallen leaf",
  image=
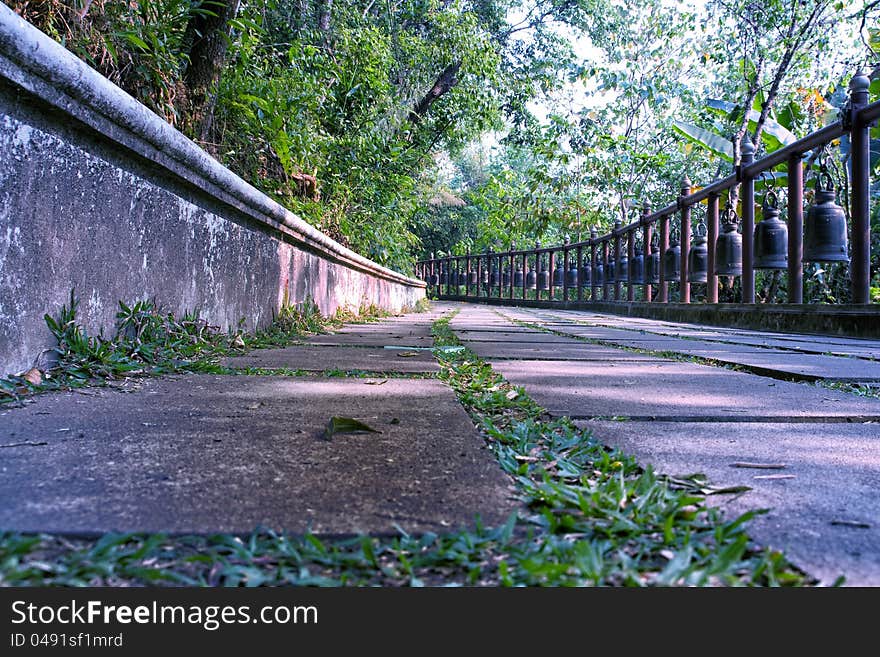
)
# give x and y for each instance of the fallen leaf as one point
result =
(33, 376)
(254, 406)
(394, 420)
(513, 394)
(774, 476)
(408, 354)
(346, 425)
(851, 523)
(376, 383)
(725, 491)
(758, 466)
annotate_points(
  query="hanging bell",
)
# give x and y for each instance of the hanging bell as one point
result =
(599, 274)
(698, 257)
(518, 277)
(444, 275)
(486, 276)
(728, 246)
(505, 278)
(585, 273)
(621, 270)
(572, 275)
(472, 278)
(672, 262)
(652, 267)
(825, 226)
(610, 271)
(531, 280)
(771, 237)
(495, 278)
(543, 277)
(637, 269)
(559, 273)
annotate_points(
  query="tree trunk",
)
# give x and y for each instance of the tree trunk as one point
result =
(205, 41)
(445, 81)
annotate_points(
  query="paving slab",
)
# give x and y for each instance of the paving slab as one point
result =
(209, 454)
(836, 476)
(666, 389)
(552, 351)
(323, 358)
(512, 337)
(799, 365)
(370, 339)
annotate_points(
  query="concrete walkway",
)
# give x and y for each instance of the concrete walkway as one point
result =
(688, 417)
(207, 454)
(210, 453)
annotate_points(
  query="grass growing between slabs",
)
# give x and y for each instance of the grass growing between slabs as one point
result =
(590, 516)
(151, 341)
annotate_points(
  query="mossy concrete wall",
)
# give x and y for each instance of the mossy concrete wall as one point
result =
(99, 195)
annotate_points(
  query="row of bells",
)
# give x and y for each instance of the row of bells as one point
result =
(824, 241)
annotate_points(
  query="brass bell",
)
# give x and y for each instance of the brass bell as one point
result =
(672, 262)
(444, 275)
(698, 257)
(472, 278)
(518, 276)
(599, 274)
(559, 273)
(572, 274)
(610, 271)
(532, 280)
(505, 277)
(621, 271)
(585, 273)
(637, 268)
(728, 246)
(544, 277)
(771, 237)
(652, 266)
(825, 226)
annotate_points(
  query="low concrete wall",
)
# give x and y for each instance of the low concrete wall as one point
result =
(844, 320)
(100, 195)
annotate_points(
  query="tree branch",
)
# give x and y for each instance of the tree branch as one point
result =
(445, 81)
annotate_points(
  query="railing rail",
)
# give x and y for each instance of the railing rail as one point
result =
(595, 266)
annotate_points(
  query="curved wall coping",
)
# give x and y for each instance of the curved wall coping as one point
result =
(35, 55)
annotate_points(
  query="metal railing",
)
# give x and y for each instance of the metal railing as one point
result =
(598, 268)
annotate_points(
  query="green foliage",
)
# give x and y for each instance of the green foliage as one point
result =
(149, 340)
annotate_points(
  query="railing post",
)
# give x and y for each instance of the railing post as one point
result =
(566, 242)
(479, 276)
(467, 273)
(579, 269)
(861, 161)
(747, 150)
(606, 286)
(594, 279)
(510, 270)
(550, 272)
(684, 285)
(647, 236)
(664, 245)
(617, 282)
(711, 237)
(795, 229)
(630, 258)
(525, 287)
